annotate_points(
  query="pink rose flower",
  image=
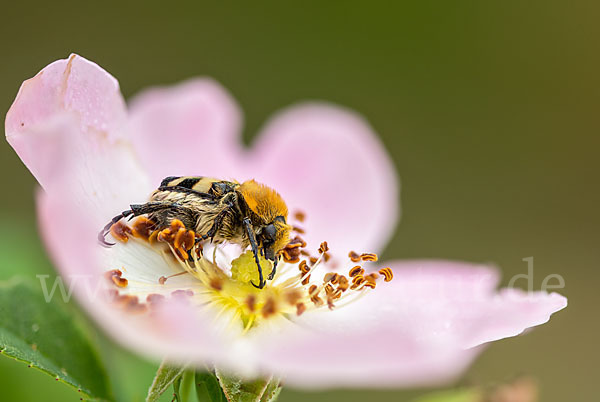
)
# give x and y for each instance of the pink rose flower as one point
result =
(93, 156)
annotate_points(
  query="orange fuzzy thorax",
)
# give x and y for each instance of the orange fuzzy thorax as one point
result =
(267, 204)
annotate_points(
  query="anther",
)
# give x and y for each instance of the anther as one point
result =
(269, 308)
(357, 270)
(163, 279)
(303, 266)
(330, 277)
(251, 303)
(120, 231)
(323, 248)
(292, 296)
(300, 308)
(143, 228)
(343, 283)
(354, 257)
(216, 284)
(115, 277)
(368, 256)
(154, 298)
(299, 216)
(182, 293)
(387, 274)
(371, 280)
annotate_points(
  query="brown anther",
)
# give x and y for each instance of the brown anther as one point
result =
(136, 308)
(330, 277)
(292, 296)
(317, 301)
(329, 289)
(371, 280)
(326, 257)
(269, 308)
(115, 276)
(299, 216)
(112, 294)
(304, 253)
(120, 282)
(373, 276)
(120, 231)
(368, 257)
(291, 256)
(336, 295)
(313, 260)
(184, 239)
(357, 281)
(387, 274)
(126, 300)
(343, 283)
(306, 280)
(354, 257)
(296, 242)
(323, 248)
(330, 304)
(143, 228)
(153, 237)
(300, 308)
(303, 266)
(312, 290)
(298, 230)
(182, 293)
(154, 298)
(357, 270)
(162, 280)
(216, 284)
(165, 235)
(251, 303)
(176, 224)
(113, 272)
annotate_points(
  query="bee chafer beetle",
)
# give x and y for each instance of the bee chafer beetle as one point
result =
(248, 214)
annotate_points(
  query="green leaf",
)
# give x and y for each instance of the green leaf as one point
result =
(460, 395)
(237, 390)
(208, 388)
(272, 391)
(165, 376)
(47, 337)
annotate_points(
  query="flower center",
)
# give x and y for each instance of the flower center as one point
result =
(297, 287)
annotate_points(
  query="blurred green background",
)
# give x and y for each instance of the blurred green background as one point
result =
(489, 110)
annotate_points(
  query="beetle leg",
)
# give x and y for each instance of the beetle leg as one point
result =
(248, 226)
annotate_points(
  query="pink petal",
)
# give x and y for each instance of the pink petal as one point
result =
(186, 130)
(433, 314)
(69, 120)
(327, 162)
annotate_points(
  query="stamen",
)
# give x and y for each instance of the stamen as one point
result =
(299, 216)
(115, 277)
(323, 248)
(357, 270)
(270, 308)
(163, 279)
(120, 231)
(354, 257)
(368, 257)
(387, 274)
(143, 228)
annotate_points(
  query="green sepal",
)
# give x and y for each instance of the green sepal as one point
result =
(165, 376)
(237, 390)
(208, 388)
